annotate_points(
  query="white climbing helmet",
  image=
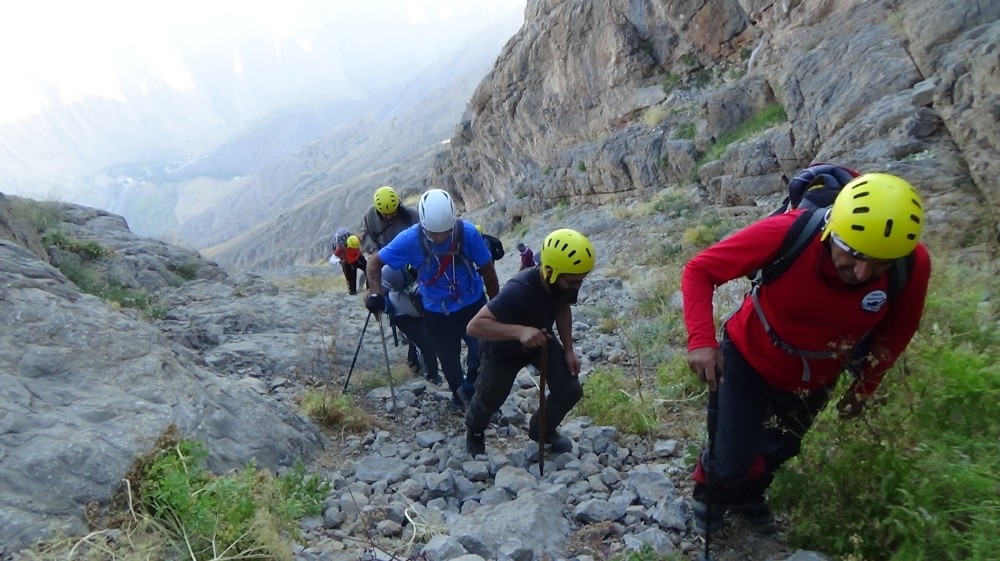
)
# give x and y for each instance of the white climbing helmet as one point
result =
(437, 211)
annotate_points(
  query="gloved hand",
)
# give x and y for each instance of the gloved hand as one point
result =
(375, 303)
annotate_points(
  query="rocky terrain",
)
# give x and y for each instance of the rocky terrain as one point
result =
(592, 111)
(89, 386)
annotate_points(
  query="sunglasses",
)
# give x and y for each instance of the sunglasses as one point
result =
(855, 253)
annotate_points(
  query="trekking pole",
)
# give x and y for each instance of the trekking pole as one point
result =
(356, 351)
(543, 361)
(388, 370)
(713, 423)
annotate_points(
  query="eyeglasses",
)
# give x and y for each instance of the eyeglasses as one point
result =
(857, 254)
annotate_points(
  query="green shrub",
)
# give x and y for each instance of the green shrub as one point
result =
(685, 131)
(581, 166)
(238, 516)
(669, 82)
(647, 553)
(608, 403)
(765, 119)
(86, 249)
(336, 410)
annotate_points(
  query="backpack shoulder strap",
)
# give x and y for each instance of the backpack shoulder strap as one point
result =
(802, 231)
(899, 273)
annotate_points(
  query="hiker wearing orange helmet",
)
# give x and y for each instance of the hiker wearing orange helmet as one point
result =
(849, 299)
(348, 251)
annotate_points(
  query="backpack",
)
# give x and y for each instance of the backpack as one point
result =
(495, 246)
(816, 186)
(811, 188)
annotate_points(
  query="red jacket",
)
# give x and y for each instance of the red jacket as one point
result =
(809, 307)
(348, 254)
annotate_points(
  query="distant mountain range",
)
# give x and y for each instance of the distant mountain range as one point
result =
(199, 167)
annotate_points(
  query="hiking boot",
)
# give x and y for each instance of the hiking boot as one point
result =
(556, 444)
(475, 443)
(434, 379)
(413, 367)
(701, 523)
(757, 516)
(560, 444)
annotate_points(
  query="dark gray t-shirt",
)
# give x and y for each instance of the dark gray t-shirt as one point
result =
(523, 300)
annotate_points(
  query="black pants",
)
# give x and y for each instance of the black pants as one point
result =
(496, 378)
(416, 332)
(760, 427)
(351, 272)
(447, 331)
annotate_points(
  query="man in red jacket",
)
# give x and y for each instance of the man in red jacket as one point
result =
(780, 356)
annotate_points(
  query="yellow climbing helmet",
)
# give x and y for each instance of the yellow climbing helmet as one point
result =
(386, 200)
(353, 242)
(878, 215)
(567, 251)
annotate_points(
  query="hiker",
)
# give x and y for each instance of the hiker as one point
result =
(517, 325)
(493, 243)
(527, 256)
(385, 219)
(348, 253)
(400, 293)
(453, 264)
(782, 352)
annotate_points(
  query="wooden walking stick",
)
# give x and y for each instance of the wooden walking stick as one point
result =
(543, 363)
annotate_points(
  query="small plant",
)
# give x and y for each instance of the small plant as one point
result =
(648, 47)
(653, 116)
(669, 82)
(689, 60)
(581, 166)
(208, 517)
(86, 249)
(647, 553)
(685, 131)
(547, 170)
(763, 120)
(187, 271)
(335, 410)
(608, 404)
(41, 215)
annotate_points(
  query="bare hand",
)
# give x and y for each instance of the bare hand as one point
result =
(572, 362)
(532, 337)
(706, 362)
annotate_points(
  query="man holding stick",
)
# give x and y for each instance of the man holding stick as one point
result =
(516, 326)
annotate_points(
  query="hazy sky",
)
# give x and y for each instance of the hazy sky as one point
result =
(70, 46)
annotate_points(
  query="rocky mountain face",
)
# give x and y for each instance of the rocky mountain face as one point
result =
(612, 101)
(87, 386)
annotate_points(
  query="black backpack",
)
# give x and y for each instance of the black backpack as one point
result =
(816, 186)
(495, 246)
